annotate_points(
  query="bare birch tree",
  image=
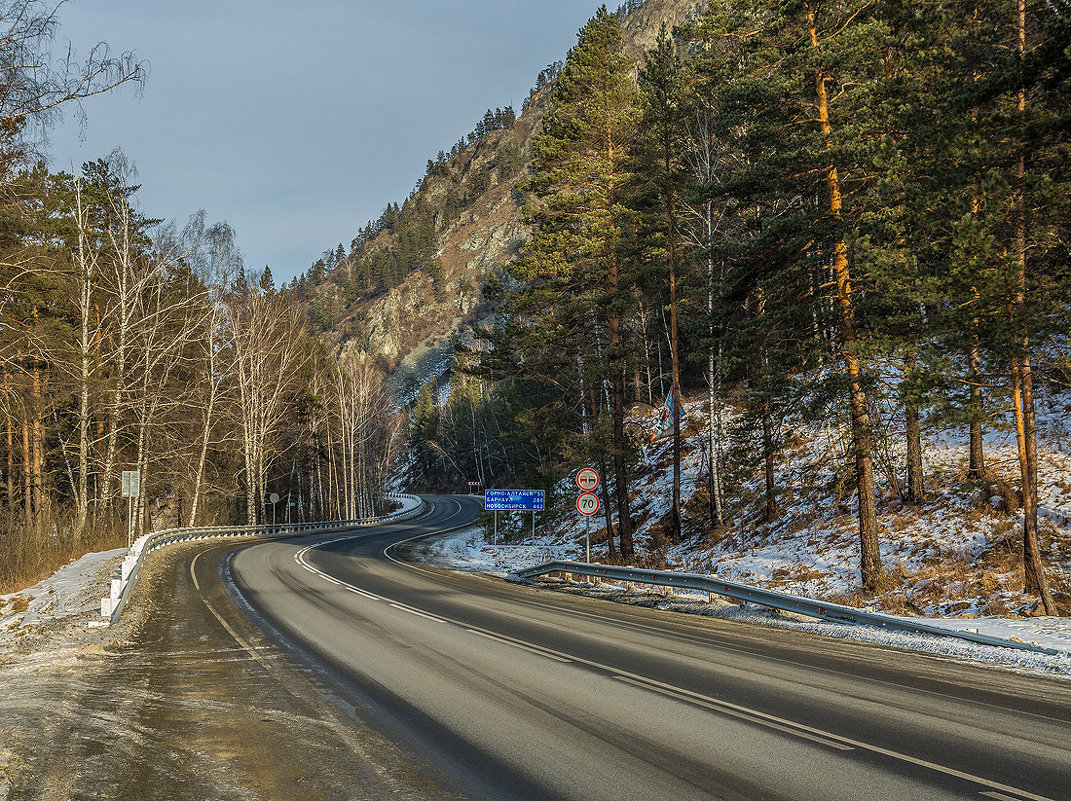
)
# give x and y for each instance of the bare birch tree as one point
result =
(218, 264)
(268, 354)
(366, 430)
(34, 83)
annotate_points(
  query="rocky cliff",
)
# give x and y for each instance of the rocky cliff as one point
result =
(412, 326)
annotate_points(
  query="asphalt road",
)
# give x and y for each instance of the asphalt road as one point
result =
(497, 691)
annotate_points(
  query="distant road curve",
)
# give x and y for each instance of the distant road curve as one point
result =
(505, 692)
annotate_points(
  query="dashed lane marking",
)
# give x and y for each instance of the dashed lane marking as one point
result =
(530, 649)
(730, 709)
(418, 613)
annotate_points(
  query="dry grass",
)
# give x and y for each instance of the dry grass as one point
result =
(28, 557)
(890, 593)
(795, 573)
(900, 522)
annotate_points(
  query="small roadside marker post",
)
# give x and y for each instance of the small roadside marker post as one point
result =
(131, 489)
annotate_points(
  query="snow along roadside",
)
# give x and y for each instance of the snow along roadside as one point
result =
(466, 550)
(70, 597)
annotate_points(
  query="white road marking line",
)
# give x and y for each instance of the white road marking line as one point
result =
(299, 557)
(460, 508)
(359, 591)
(237, 638)
(418, 613)
(527, 648)
(710, 703)
(922, 763)
(341, 730)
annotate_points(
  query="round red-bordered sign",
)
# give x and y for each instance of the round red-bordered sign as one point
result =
(587, 503)
(588, 479)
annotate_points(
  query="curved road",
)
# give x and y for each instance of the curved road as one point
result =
(505, 692)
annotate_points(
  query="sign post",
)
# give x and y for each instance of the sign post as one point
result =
(587, 503)
(131, 489)
(274, 498)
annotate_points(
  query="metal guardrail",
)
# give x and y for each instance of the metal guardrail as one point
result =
(763, 597)
(122, 583)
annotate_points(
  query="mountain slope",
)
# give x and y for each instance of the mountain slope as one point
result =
(469, 198)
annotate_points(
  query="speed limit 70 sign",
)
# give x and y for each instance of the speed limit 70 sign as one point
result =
(587, 503)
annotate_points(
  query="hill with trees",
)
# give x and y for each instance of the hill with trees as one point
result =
(410, 283)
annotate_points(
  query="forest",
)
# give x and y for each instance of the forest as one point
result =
(844, 213)
(130, 343)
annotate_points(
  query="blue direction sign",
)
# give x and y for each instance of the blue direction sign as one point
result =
(514, 500)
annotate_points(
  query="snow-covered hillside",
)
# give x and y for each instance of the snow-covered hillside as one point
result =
(957, 553)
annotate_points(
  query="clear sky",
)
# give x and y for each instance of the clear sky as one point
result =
(299, 121)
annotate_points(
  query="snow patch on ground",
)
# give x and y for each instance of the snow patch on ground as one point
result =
(69, 596)
(467, 550)
(46, 630)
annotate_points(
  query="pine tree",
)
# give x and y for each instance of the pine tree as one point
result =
(659, 150)
(1011, 192)
(267, 283)
(566, 323)
(798, 104)
(424, 427)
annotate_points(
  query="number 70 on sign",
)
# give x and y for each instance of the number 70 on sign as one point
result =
(587, 503)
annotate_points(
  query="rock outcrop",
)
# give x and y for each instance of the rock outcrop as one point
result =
(431, 308)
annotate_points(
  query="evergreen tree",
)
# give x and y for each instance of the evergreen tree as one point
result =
(566, 324)
(800, 104)
(266, 282)
(996, 194)
(424, 428)
(659, 149)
